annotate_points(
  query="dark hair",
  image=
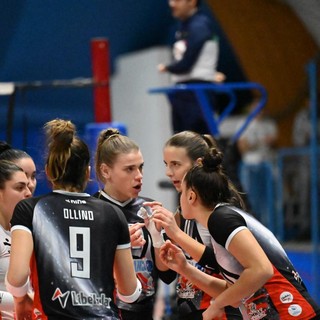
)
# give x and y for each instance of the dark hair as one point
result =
(110, 144)
(68, 156)
(7, 169)
(195, 144)
(198, 3)
(11, 154)
(210, 182)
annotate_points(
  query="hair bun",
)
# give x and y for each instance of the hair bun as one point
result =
(212, 160)
(4, 146)
(110, 132)
(60, 131)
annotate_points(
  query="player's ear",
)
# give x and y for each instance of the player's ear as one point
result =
(47, 171)
(88, 171)
(105, 170)
(192, 197)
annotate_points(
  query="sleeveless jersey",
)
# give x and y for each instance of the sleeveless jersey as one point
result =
(284, 296)
(75, 240)
(143, 257)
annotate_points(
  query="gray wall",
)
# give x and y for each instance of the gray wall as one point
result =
(146, 116)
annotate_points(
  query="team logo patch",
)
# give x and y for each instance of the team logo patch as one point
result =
(62, 297)
(81, 299)
(286, 297)
(295, 310)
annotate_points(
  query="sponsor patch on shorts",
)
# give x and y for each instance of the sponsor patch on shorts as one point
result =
(286, 297)
(295, 310)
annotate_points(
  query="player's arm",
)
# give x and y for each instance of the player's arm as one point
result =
(128, 286)
(195, 249)
(174, 258)
(21, 251)
(257, 269)
(17, 278)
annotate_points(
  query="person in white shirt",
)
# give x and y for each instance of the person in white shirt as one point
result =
(257, 146)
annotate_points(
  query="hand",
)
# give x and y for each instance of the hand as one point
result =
(162, 67)
(219, 77)
(157, 239)
(166, 219)
(213, 312)
(136, 235)
(23, 308)
(163, 218)
(155, 231)
(173, 257)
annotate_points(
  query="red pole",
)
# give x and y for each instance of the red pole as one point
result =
(101, 75)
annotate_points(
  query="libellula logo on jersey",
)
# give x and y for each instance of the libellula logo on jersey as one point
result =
(81, 299)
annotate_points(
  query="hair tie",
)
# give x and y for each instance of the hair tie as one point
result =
(111, 136)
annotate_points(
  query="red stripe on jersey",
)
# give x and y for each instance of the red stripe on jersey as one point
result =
(287, 299)
(38, 313)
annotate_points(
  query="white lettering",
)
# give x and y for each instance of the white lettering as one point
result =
(76, 214)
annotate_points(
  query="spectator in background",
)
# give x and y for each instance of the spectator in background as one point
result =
(258, 141)
(257, 146)
(195, 54)
(299, 189)
(302, 126)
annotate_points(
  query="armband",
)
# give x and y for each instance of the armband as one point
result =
(17, 291)
(133, 297)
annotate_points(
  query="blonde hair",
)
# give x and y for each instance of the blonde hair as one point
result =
(111, 144)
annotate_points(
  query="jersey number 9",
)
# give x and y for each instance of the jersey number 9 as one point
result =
(79, 239)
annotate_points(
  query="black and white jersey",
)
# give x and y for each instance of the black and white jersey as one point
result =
(5, 247)
(75, 240)
(284, 296)
(190, 297)
(143, 257)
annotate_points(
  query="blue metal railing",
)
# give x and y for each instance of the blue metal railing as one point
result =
(213, 119)
(312, 152)
(258, 181)
(312, 72)
(280, 231)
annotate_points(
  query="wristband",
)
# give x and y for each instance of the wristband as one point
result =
(17, 291)
(133, 297)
